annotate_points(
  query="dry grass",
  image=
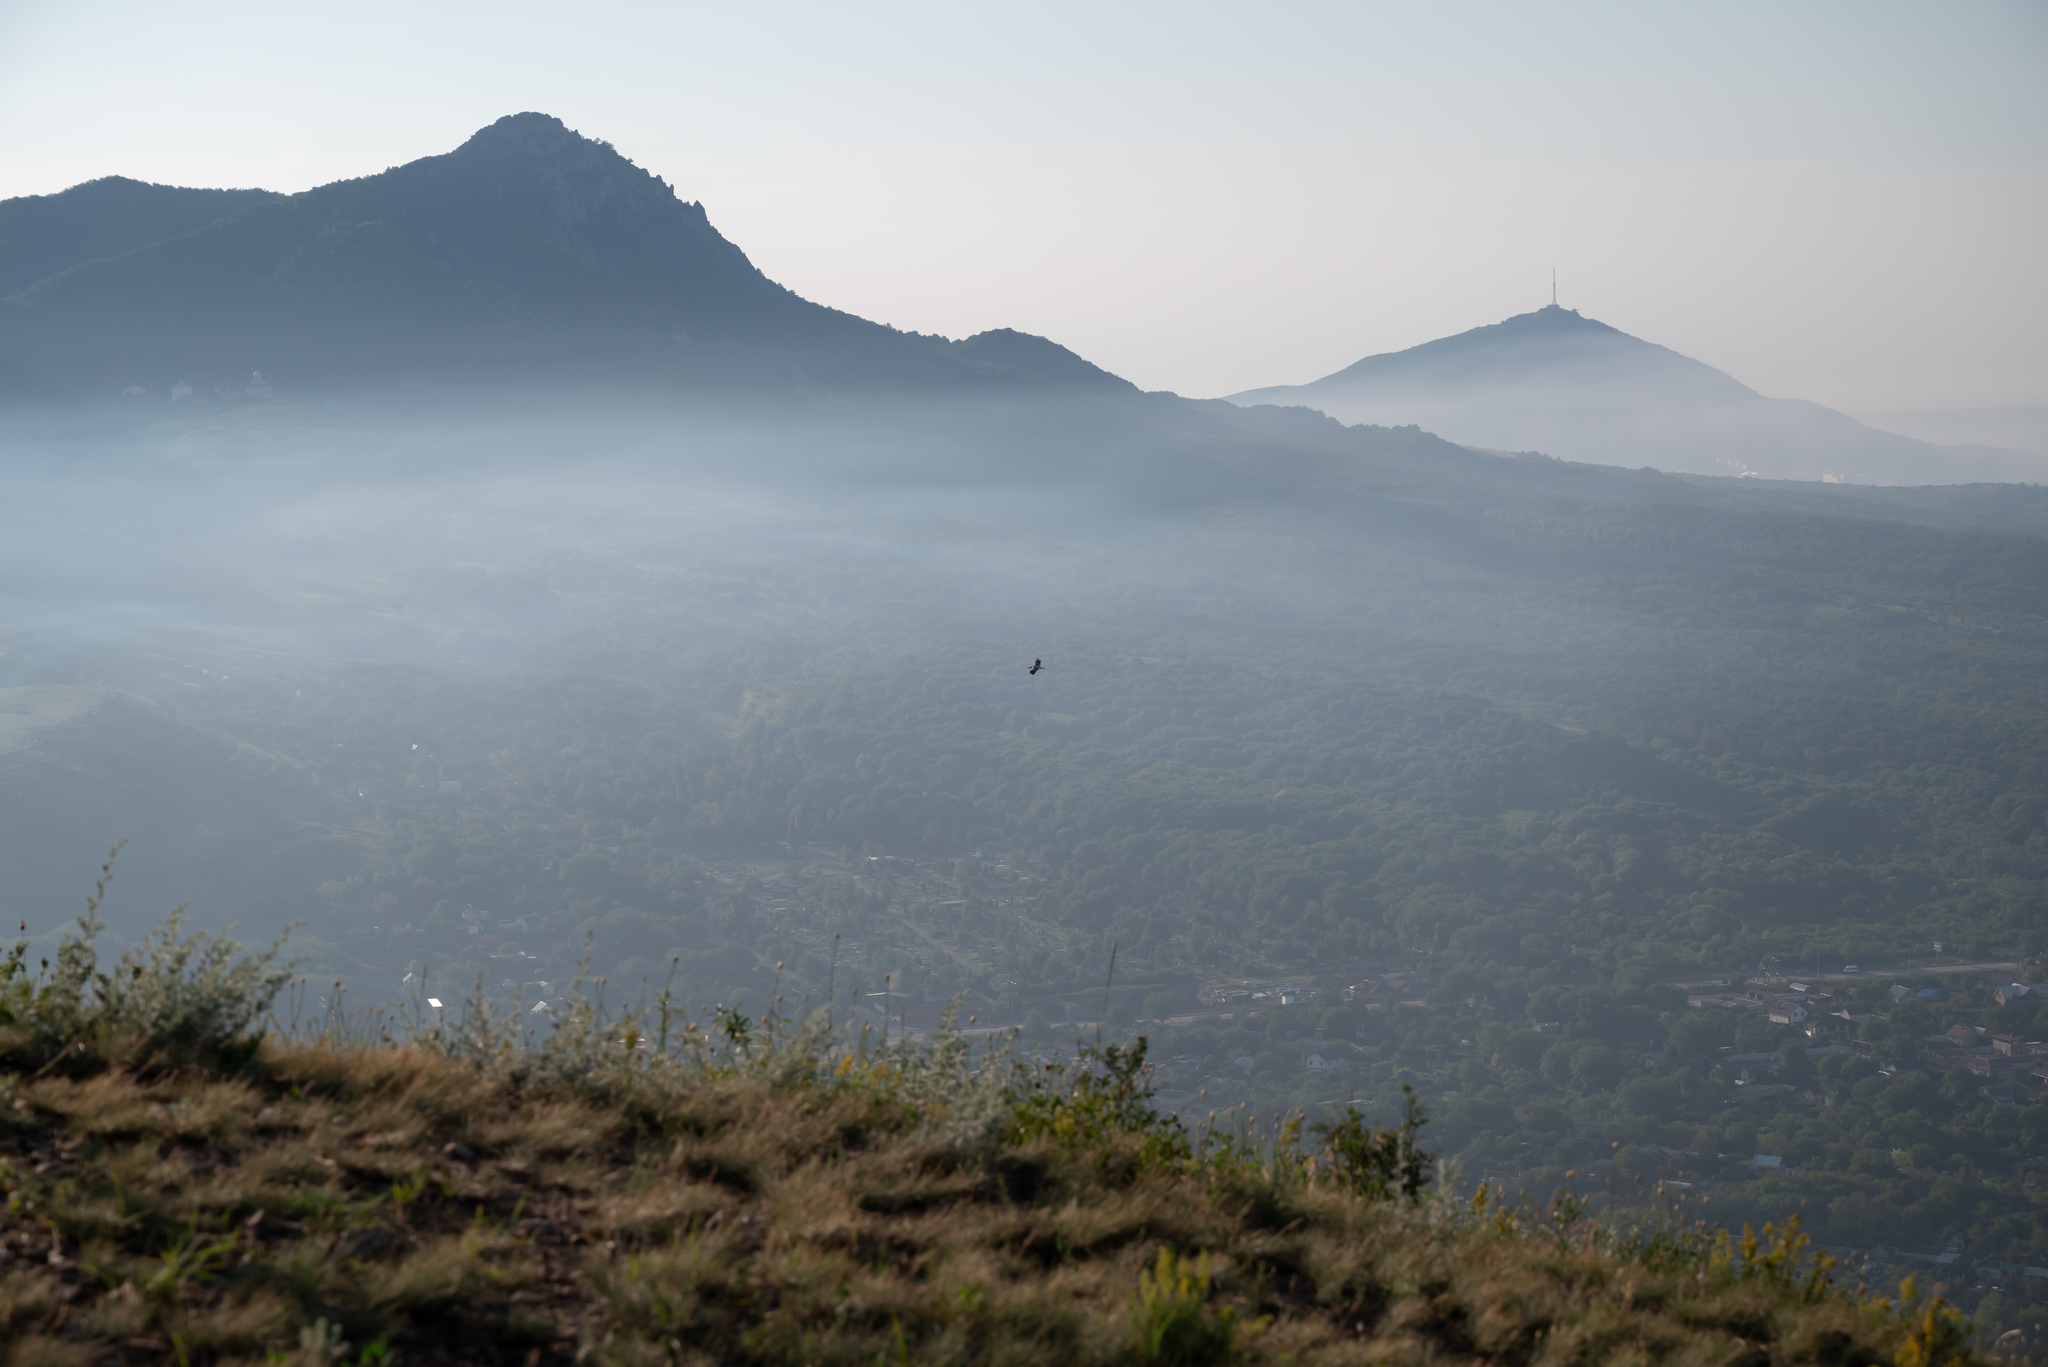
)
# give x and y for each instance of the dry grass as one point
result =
(330, 1200)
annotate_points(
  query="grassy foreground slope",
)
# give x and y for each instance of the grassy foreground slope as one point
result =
(178, 1189)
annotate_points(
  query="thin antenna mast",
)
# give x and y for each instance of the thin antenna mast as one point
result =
(1553, 287)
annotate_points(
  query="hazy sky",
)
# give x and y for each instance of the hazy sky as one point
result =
(1844, 202)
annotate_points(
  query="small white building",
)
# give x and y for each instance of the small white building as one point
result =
(1787, 1013)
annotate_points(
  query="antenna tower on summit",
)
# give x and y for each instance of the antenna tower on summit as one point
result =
(1553, 287)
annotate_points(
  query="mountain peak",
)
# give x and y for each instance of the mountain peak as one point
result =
(1555, 381)
(1550, 321)
(1555, 315)
(543, 155)
(529, 253)
(532, 136)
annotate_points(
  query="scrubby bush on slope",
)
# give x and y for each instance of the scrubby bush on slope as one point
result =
(175, 999)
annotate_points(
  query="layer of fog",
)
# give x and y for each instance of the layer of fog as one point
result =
(1631, 424)
(167, 575)
(158, 587)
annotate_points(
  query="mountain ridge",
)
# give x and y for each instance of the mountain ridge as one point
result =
(44, 235)
(532, 256)
(527, 253)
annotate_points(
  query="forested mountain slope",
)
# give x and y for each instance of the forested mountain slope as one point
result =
(709, 687)
(45, 235)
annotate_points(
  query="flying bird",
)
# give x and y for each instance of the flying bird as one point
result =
(1036, 665)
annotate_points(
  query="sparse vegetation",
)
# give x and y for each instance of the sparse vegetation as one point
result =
(174, 999)
(635, 1190)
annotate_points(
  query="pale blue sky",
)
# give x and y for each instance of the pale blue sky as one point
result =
(1843, 202)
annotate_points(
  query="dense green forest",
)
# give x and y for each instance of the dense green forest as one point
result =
(1552, 739)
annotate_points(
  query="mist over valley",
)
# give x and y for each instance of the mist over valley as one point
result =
(483, 567)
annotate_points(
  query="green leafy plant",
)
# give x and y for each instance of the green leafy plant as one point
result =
(1937, 1333)
(1381, 1165)
(1108, 1092)
(404, 1191)
(1779, 1257)
(185, 1260)
(1173, 1322)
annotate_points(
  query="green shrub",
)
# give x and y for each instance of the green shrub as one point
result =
(1378, 1164)
(1937, 1334)
(1174, 1326)
(1108, 1093)
(173, 999)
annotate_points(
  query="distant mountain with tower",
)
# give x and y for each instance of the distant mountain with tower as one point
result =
(1569, 386)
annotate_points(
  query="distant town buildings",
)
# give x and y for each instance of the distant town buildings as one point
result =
(2006, 1063)
(1828, 1029)
(1788, 1011)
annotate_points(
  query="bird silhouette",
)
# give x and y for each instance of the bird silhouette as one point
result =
(1036, 665)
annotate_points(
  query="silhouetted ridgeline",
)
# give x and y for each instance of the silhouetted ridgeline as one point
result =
(532, 256)
(529, 254)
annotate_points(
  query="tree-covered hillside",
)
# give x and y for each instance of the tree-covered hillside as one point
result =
(1316, 711)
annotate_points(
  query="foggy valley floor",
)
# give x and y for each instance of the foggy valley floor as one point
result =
(1478, 759)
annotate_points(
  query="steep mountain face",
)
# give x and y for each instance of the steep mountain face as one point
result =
(530, 253)
(1571, 387)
